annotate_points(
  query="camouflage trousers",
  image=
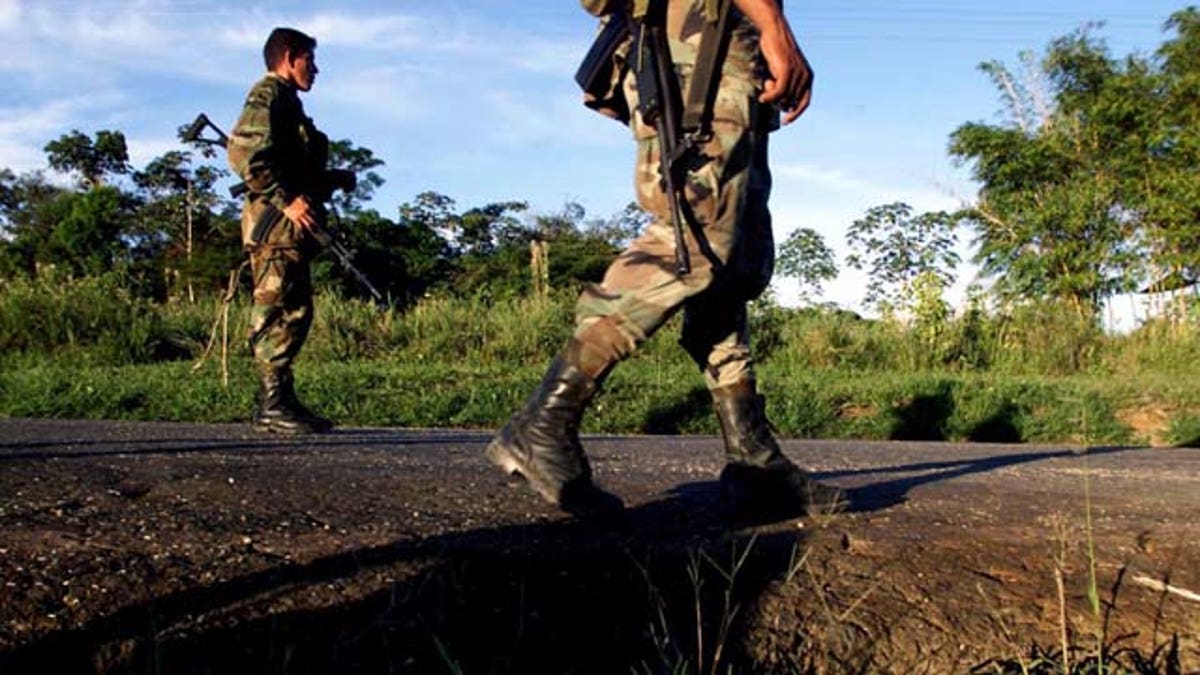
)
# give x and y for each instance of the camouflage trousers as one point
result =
(282, 310)
(731, 247)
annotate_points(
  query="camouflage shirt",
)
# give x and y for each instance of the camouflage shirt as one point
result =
(743, 71)
(275, 147)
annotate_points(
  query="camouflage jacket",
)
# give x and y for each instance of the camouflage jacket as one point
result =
(743, 70)
(275, 147)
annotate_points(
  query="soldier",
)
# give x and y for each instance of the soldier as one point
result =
(282, 158)
(760, 71)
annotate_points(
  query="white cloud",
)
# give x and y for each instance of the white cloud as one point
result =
(820, 182)
(142, 150)
(394, 92)
(365, 31)
(126, 29)
(534, 55)
(25, 130)
(10, 13)
(826, 179)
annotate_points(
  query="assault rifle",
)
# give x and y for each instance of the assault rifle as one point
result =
(658, 103)
(683, 126)
(271, 216)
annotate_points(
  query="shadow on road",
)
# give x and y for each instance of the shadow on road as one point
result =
(887, 493)
(550, 597)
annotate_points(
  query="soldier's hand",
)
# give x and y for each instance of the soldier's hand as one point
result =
(791, 80)
(300, 212)
(789, 84)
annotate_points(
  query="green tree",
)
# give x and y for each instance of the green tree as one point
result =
(1053, 218)
(622, 227)
(87, 237)
(1162, 150)
(895, 248)
(805, 257)
(27, 218)
(184, 230)
(91, 160)
(343, 154)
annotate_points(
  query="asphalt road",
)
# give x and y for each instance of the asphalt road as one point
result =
(183, 509)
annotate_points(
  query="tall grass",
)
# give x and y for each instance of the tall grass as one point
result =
(452, 360)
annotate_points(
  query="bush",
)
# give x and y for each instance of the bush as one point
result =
(92, 319)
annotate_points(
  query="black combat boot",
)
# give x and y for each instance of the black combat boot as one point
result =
(758, 479)
(280, 411)
(541, 443)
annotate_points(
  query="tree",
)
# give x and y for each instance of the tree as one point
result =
(621, 228)
(895, 248)
(805, 257)
(1056, 216)
(86, 239)
(182, 228)
(28, 219)
(1163, 150)
(345, 155)
(90, 160)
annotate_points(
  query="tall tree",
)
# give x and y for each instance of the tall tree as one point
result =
(805, 257)
(343, 154)
(91, 160)
(1053, 219)
(1164, 143)
(895, 247)
(182, 229)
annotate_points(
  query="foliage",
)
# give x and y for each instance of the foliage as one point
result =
(455, 360)
(897, 248)
(88, 320)
(806, 257)
(90, 160)
(344, 155)
(1088, 186)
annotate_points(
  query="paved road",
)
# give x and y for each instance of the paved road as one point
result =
(203, 527)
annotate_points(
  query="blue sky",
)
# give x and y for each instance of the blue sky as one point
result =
(475, 98)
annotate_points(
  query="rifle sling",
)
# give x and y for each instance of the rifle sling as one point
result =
(702, 90)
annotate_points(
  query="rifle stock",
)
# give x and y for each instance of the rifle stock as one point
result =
(193, 133)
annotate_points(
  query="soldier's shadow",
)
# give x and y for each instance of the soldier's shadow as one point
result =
(883, 494)
(555, 596)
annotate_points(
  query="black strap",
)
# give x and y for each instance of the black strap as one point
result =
(702, 90)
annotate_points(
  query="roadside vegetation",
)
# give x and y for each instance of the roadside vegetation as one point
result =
(89, 348)
(111, 277)
(112, 285)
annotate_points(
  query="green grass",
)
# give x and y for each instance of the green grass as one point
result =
(86, 348)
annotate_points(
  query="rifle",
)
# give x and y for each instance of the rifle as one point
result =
(683, 126)
(192, 133)
(658, 103)
(271, 216)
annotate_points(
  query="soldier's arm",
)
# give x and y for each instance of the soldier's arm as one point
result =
(253, 154)
(790, 83)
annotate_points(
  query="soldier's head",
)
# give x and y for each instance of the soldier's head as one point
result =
(292, 55)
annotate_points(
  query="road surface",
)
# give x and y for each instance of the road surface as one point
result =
(170, 547)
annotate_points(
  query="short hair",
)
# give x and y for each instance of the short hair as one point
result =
(283, 40)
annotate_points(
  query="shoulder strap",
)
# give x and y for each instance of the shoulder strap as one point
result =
(697, 107)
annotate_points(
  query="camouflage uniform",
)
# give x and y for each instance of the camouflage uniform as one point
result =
(727, 192)
(280, 154)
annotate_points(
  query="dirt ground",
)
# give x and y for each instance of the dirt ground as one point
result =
(182, 548)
